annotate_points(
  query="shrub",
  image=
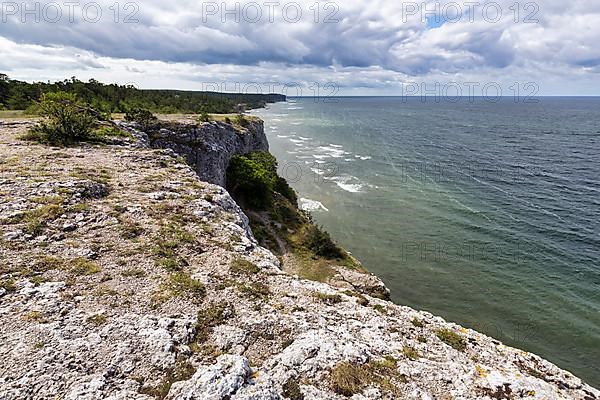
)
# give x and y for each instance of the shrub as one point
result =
(330, 299)
(253, 179)
(240, 266)
(204, 117)
(67, 120)
(320, 243)
(241, 120)
(141, 116)
(452, 339)
(291, 390)
(283, 187)
(349, 378)
(181, 284)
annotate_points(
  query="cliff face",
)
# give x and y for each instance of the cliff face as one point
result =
(208, 146)
(123, 275)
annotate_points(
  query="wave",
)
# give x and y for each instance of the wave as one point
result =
(312, 205)
(348, 183)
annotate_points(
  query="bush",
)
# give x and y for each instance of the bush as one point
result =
(452, 339)
(204, 117)
(241, 120)
(321, 243)
(141, 116)
(67, 120)
(253, 178)
(283, 187)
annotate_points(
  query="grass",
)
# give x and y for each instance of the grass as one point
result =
(348, 379)
(360, 299)
(8, 285)
(210, 317)
(133, 273)
(48, 263)
(180, 284)
(239, 266)
(329, 299)
(98, 319)
(381, 309)
(170, 239)
(130, 229)
(452, 339)
(410, 353)
(182, 371)
(10, 114)
(36, 220)
(35, 316)
(81, 266)
(102, 176)
(291, 390)
(256, 290)
(417, 322)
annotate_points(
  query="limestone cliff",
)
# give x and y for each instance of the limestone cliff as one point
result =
(208, 146)
(124, 275)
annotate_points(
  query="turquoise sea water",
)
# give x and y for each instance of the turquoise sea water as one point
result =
(484, 213)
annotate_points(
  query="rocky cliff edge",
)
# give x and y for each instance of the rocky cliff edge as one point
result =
(124, 275)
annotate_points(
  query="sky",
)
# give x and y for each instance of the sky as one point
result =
(308, 48)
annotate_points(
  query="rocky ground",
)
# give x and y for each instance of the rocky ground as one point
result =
(124, 276)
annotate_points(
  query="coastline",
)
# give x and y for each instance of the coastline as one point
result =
(230, 322)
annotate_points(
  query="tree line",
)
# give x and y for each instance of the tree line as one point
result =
(113, 98)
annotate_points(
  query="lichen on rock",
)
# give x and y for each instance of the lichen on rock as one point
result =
(93, 240)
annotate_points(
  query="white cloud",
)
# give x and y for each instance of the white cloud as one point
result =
(373, 48)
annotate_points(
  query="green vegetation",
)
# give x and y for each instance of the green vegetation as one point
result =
(276, 221)
(17, 95)
(452, 339)
(253, 179)
(130, 229)
(209, 318)
(416, 322)
(142, 116)
(240, 266)
(330, 299)
(133, 273)
(180, 284)
(67, 120)
(349, 378)
(98, 319)
(170, 239)
(182, 371)
(410, 353)
(321, 244)
(256, 290)
(81, 266)
(291, 390)
(8, 285)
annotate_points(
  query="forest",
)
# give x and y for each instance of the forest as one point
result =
(113, 98)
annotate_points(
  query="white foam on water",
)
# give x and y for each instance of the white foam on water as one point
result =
(312, 205)
(283, 136)
(332, 151)
(316, 170)
(303, 138)
(346, 183)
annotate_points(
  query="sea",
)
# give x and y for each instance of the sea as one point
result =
(486, 213)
